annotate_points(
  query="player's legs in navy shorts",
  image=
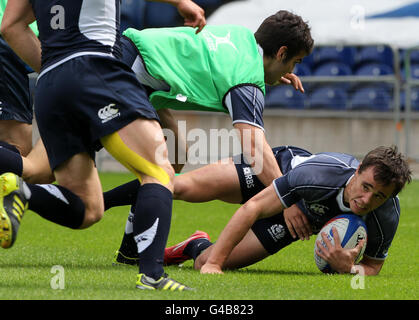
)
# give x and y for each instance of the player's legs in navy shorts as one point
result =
(15, 102)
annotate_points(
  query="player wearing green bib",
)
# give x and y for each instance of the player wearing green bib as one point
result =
(222, 69)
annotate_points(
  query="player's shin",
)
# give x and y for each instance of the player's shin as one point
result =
(57, 204)
(151, 227)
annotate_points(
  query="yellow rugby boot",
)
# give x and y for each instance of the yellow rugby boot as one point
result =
(13, 205)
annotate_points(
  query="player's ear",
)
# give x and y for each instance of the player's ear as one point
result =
(281, 55)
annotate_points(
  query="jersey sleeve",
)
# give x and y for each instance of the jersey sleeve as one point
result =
(304, 182)
(382, 224)
(245, 105)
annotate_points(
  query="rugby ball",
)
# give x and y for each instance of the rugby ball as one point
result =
(351, 229)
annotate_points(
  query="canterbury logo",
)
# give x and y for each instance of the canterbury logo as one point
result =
(214, 41)
(108, 113)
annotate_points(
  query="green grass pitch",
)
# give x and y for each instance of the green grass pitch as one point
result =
(85, 256)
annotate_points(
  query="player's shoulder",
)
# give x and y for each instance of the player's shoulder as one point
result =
(335, 159)
(387, 215)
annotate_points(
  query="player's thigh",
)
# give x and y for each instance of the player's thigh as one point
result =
(36, 168)
(79, 175)
(214, 181)
(141, 147)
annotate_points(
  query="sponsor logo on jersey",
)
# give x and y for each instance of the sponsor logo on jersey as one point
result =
(318, 209)
(277, 232)
(214, 41)
(108, 113)
(248, 176)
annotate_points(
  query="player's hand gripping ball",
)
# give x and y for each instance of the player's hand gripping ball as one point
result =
(351, 229)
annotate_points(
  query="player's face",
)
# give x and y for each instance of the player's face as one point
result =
(280, 66)
(364, 194)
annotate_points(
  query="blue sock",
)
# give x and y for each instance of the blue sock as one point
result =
(56, 204)
(151, 227)
(10, 159)
(195, 247)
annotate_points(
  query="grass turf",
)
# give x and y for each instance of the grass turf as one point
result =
(26, 270)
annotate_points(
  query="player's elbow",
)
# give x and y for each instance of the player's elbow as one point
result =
(8, 30)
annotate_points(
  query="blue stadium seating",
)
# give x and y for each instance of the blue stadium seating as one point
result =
(132, 14)
(302, 69)
(332, 69)
(414, 71)
(414, 96)
(208, 3)
(373, 69)
(328, 97)
(371, 98)
(375, 54)
(161, 15)
(414, 57)
(345, 55)
(284, 97)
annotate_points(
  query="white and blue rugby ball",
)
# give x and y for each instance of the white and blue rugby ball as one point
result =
(351, 229)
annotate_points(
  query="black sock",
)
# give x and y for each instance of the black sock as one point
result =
(128, 245)
(122, 195)
(151, 227)
(195, 247)
(56, 204)
(10, 159)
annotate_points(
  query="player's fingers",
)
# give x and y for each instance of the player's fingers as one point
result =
(336, 238)
(321, 250)
(300, 86)
(326, 240)
(305, 227)
(359, 246)
(201, 25)
(285, 80)
(290, 228)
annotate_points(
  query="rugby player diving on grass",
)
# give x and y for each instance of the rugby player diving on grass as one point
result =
(323, 185)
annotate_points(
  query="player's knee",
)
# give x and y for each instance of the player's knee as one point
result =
(182, 185)
(91, 216)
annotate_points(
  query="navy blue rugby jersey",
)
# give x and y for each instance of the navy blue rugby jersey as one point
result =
(316, 184)
(77, 27)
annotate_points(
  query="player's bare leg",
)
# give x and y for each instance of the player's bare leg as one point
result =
(148, 159)
(218, 181)
(36, 167)
(80, 176)
(18, 134)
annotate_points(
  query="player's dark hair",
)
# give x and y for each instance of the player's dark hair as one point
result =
(390, 166)
(284, 29)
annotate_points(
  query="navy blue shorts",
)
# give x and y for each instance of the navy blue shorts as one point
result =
(84, 99)
(15, 97)
(272, 232)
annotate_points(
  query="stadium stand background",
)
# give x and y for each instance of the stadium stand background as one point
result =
(357, 96)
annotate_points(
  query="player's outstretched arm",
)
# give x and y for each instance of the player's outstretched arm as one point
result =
(193, 14)
(371, 267)
(264, 204)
